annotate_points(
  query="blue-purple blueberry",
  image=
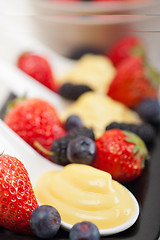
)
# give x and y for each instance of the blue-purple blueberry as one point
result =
(45, 221)
(149, 111)
(81, 150)
(84, 231)
(72, 122)
(72, 91)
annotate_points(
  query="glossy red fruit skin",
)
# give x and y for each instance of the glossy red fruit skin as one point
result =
(35, 120)
(116, 156)
(38, 68)
(124, 48)
(17, 199)
(130, 84)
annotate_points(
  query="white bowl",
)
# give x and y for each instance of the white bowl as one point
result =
(92, 7)
(66, 34)
(65, 27)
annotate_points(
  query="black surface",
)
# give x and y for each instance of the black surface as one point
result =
(147, 191)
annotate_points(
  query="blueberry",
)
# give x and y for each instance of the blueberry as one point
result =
(72, 122)
(81, 150)
(84, 231)
(144, 130)
(45, 221)
(149, 111)
(80, 52)
(60, 145)
(73, 91)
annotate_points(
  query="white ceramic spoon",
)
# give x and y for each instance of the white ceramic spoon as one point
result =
(37, 165)
(21, 84)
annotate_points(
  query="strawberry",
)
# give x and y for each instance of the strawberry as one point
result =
(35, 120)
(124, 48)
(17, 199)
(38, 68)
(134, 81)
(121, 153)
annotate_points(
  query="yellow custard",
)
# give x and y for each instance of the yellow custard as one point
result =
(95, 71)
(98, 110)
(80, 192)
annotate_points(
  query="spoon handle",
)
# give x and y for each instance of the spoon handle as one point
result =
(21, 84)
(35, 164)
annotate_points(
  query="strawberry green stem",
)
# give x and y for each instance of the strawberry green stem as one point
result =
(42, 149)
(1, 153)
(15, 101)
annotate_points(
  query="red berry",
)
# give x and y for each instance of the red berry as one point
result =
(35, 120)
(38, 68)
(124, 48)
(121, 153)
(17, 199)
(133, 82)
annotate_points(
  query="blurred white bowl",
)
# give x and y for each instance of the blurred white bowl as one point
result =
(64, 34)
(65, 27)
(92, 7)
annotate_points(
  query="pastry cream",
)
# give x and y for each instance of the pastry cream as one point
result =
(96, 71)
(80, 192)
(98, 110)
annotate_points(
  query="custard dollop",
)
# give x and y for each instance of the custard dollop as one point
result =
(95, 71)
(97, 111)
(83, 193)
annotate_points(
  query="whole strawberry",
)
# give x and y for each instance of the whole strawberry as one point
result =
(38, 68)
(124, 48)
(17, 199)
(134, 81)
(35, 120)
(121, 153)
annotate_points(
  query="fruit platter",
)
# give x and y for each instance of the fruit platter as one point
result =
(80, 145)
